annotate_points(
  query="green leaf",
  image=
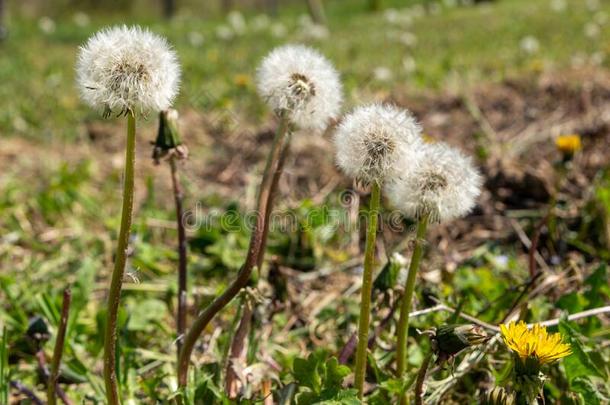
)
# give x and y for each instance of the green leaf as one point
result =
(335, 373)
(388, 276)
(306, 398)
(4, 375)
(145, 314)
(392, 385)
(342, 397)
(397, 387)
(589, 392)
(49, 307)
(578, 364)
(324, 380)
(307, 373)
(208, 393)
(599, 289)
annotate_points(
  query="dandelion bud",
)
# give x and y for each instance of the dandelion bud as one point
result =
(498, 396)
(452, 339)
(372, 139)
(443, 185)
(301, 85)
(127, 69)
(168, 142)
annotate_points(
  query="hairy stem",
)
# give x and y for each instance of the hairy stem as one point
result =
(274, 184)
(59, 347)
(403, 322)
(367, 286)
(116, 283)
(265, 200)
(350, 347)
(182, 252)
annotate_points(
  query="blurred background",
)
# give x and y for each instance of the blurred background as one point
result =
(499, 79)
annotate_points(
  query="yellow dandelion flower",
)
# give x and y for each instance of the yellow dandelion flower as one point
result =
(242, 80)
(534, 342)
(568, 144)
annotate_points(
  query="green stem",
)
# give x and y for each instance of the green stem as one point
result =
(116, 283)
(367, 285)
(59, 347)
(403, 322)
(265, 201)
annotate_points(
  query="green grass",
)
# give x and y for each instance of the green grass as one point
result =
(482, 43)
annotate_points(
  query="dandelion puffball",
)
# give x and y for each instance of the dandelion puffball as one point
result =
(443, 184)
(300, 84)
(127, 69)
(372, 139)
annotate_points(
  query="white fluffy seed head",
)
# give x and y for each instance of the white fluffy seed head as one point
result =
(373, 138)
(299, 83)
(127, 69)
(443, 184)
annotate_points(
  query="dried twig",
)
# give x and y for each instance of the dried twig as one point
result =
(470, 318)
(523, 292)
(533, 249)
(576, 316)
(475, 112)
(527, 243)
(421, 377)
(42, 365)
(27, 392)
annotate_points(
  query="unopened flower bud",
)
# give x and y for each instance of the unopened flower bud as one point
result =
(498, 396)
(168, 141)
(451, 339)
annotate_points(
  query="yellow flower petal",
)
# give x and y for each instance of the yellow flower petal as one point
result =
(535, 342)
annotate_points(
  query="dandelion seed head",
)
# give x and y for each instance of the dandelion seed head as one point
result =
(47, 25)
(442, 184)
(558, 5)
(382, 74)
(299, 83)
(371, 140)
(529, 44)
(592, 30)
(122, 69)
(278, 30)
